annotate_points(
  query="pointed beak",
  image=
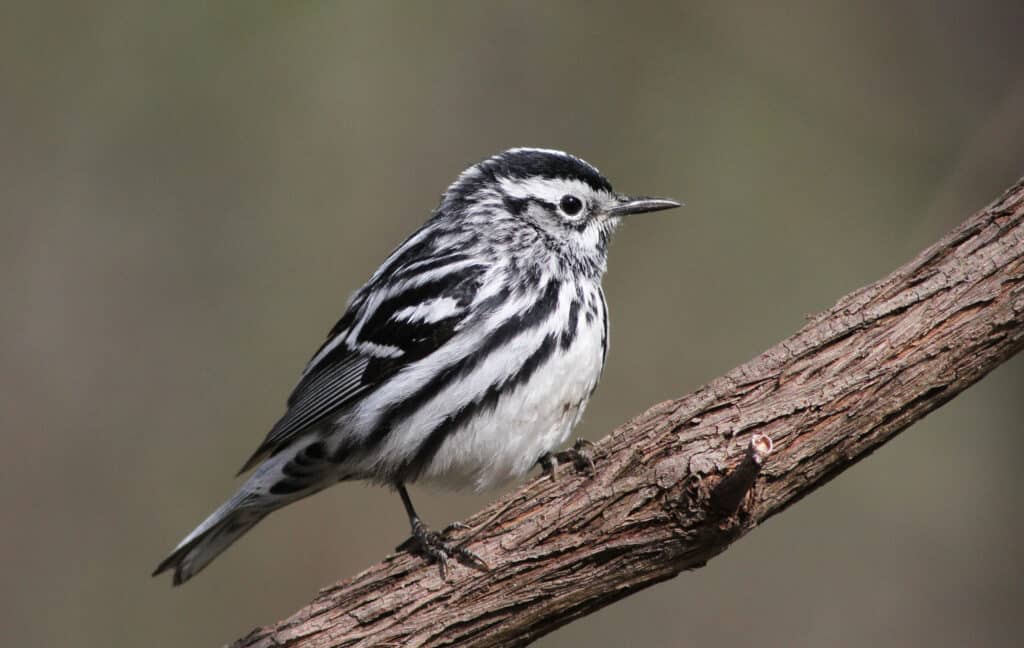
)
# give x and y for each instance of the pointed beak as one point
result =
(641, 205)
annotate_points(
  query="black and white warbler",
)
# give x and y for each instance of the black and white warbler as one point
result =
(466, 359)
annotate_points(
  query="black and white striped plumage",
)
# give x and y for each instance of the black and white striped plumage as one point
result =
(468, 356)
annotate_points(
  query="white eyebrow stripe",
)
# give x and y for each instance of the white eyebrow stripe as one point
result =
(548, 189)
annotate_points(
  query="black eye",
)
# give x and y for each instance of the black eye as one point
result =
(570, 204)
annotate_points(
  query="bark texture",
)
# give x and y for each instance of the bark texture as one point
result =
(664, 498)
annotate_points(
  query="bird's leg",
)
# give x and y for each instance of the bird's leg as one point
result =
(432, 545)
(580, 455)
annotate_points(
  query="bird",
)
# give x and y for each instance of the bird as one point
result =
(465, 360)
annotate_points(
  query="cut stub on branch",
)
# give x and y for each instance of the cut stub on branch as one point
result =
(728, 495)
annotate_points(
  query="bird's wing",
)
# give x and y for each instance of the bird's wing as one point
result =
(400, 316)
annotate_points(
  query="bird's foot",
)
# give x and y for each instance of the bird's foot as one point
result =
(580, 455)
(435, 547)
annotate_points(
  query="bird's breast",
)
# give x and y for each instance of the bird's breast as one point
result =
(528, 417)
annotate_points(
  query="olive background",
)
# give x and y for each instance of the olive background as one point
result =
(190, 192)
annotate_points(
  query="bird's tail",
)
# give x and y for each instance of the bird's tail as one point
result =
(217, 532)
(287, 476)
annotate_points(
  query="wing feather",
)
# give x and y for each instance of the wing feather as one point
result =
(395, 319)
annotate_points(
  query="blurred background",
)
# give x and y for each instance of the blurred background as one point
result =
(190, 192)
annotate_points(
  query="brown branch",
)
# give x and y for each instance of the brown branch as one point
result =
(679, 483)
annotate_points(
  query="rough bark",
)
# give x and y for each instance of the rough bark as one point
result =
(682, 481)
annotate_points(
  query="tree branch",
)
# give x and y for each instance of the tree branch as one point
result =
(682, 481)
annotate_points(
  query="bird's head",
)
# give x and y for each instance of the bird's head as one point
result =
(547, 196)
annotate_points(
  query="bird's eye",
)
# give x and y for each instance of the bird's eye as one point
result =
(570, 204)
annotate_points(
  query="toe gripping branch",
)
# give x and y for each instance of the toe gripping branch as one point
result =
(436, 547)
(727, 496)
(580, 455)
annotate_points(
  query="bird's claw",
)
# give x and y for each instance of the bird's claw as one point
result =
(454, 526)
(580, 455)
(435, 547)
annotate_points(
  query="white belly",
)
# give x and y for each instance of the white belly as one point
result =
(504, 443)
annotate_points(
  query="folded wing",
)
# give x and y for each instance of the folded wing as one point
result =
(400, 316)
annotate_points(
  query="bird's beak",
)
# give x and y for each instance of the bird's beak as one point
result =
(640, 205)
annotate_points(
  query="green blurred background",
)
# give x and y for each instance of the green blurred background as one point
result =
(191, 191)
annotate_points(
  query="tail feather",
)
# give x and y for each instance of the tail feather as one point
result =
(210, 538)
(284, 478)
